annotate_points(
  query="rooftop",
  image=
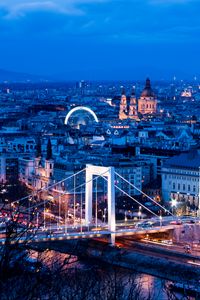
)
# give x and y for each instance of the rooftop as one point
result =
(148, 92)
(185, 160)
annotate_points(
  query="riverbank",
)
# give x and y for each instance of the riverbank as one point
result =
(162, 266)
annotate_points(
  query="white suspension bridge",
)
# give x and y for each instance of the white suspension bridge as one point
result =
(59, 217)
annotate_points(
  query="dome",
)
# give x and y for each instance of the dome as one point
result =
(148, 92)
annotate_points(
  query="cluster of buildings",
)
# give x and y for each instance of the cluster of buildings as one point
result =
(146, 104)
(49, 133)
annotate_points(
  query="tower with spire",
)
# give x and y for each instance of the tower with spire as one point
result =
(133, 106)
(123, 106)
(49, 162)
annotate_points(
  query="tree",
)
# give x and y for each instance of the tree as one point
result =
(140, 116)
(194, 118)
(12, 190)
(39, 148)
(49, 150)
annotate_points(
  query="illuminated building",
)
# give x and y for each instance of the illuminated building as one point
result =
(133, 106)
(125, 111)
(123, 106)
(8, 167)
(147, 103)
(180, 178)
(186, 94)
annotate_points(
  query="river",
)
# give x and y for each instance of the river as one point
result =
(112, 282)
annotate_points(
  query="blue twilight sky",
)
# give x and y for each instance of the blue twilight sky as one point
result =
(101, 39)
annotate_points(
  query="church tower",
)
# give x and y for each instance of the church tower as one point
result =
(133, 106)
(123, 106)
(147, 103)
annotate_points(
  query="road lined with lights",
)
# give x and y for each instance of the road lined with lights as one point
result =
(37, 234)
(57, 231)
(173, 253)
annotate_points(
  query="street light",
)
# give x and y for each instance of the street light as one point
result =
(160, 217)
(125, 217)
(104, 215)
(140, 212)
(173, 204)
(37, 222)
(66, 219)
(88, 226)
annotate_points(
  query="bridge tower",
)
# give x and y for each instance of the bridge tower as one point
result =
(109, 173)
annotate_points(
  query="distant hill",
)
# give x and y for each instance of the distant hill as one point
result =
(11, 76)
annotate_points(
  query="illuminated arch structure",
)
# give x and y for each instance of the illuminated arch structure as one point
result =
(80, 115)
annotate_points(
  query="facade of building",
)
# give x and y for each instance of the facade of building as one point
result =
(9, 167)
(35, 172)
(180, 178)
(147, 103)
(123, 106)
(26, 170)
(133, 114)
(43, 173)
(17, 144)
(131, 173)
(128, 110)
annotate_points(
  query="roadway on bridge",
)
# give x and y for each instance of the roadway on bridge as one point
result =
(80, 231)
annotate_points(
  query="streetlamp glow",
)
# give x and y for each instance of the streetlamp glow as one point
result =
(125, 217)
(174, 202)
(160, 217)
(104, 215)
(140, 212)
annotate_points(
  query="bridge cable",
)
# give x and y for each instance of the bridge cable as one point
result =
(144, 194)
(74, 201)
(133, 199)
(96, 204)
(49, 187)
(63, 193)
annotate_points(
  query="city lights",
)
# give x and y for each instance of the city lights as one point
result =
(99, 163)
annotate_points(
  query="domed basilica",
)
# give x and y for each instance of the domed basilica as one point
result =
(147, 103)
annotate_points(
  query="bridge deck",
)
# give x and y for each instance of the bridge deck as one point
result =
(45, 236)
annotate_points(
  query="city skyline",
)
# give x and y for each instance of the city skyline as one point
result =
(101, 39)
(99, 149)
(105, 171)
